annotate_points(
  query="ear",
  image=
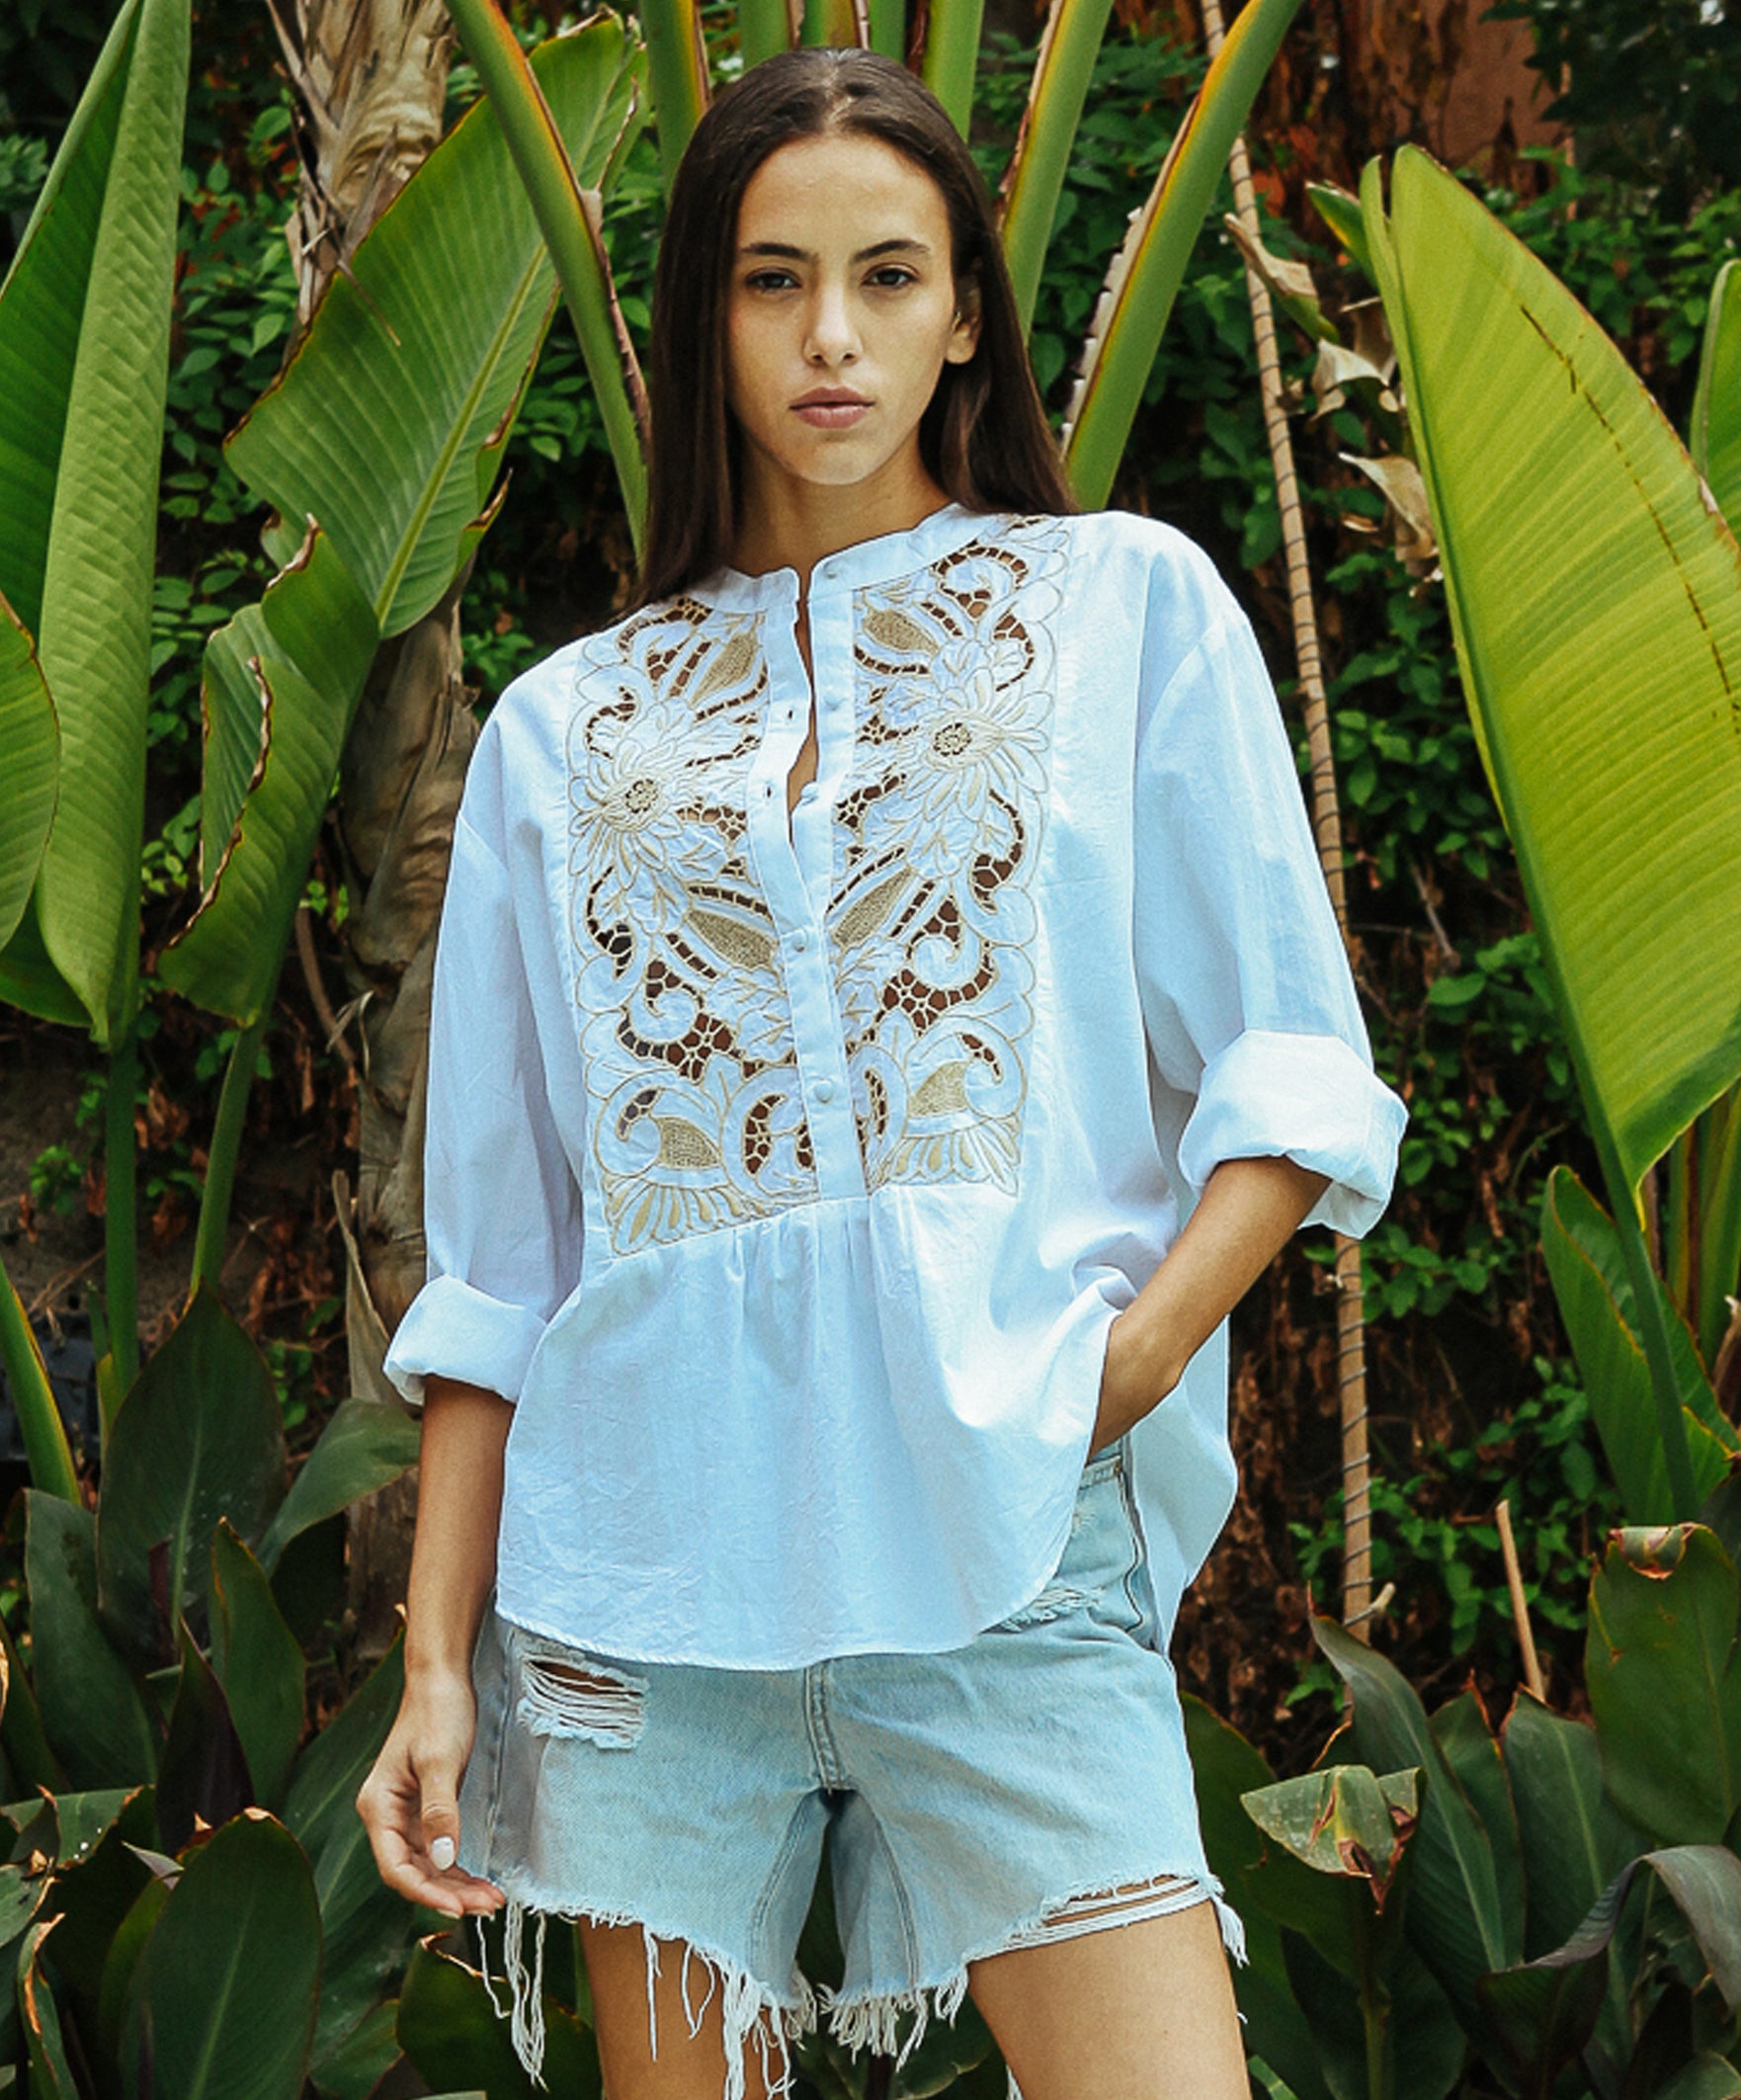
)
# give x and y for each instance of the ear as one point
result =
(964, 337)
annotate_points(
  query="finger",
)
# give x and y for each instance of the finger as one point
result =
(453, 1892)
(439, 1824)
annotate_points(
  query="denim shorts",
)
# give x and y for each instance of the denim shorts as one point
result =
(1029, 1787)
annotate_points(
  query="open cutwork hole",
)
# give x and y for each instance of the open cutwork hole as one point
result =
(593, 1704)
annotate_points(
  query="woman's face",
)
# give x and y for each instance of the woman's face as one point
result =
(839, 285)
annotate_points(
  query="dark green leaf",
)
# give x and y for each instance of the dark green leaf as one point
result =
(29, 1758)
(1665, 1681)
(455, 2036)
(93, 1894)
(93, 1713)
(51, 2078)
(1574, 1842)
(363, 1446)
(228, 1985)
(1454, 1916)
(257, 1663)
(204, 1769)
(320, 1806)
(1597, 1302)
(1706, 2077)
(199, 1437)
(1461, 1730)
(356, 2066)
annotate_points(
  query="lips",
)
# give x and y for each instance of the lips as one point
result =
(831, 408)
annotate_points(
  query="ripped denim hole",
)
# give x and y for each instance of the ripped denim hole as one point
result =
(592, 1705)
(1128, 1904)
(874, 2019)
(1055, 1601)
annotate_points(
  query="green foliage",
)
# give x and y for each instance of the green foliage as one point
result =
(1542, 1456)
(1652, 87)
(216, 1954)
(1549, 1890)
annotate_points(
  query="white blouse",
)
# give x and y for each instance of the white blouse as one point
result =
(789, 1180)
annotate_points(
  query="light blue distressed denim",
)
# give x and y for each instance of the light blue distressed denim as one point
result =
(1029, 1787)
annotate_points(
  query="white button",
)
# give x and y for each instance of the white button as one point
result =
(828, 568)
(834, 700)
(800, 941)
(824, 1091)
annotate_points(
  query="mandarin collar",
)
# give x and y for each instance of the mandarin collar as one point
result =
(880, 560)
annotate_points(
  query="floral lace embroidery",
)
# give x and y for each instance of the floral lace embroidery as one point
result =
(936, 839)
(697, 1110)
(686, 1026)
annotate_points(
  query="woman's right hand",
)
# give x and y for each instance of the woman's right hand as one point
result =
(410, 1802)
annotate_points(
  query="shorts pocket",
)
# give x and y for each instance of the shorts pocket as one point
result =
(1094, 1577)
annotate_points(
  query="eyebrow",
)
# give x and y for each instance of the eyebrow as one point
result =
(899, 245)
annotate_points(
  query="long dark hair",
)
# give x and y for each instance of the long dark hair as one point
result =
(984, 438)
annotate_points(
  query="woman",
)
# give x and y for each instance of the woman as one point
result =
(887, 1013)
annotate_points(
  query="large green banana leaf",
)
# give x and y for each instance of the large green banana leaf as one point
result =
(1149, 266)
(388, 427)
(1063, 68)
(1716, 404)
(1597, 608)
(677, 67)
(84, 361)
(29, 744)
(950, 57)
(388, 424)
(569, 215)
(280, 684)
(1587, 1264)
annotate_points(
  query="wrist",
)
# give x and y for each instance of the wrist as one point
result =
(1155, 1353)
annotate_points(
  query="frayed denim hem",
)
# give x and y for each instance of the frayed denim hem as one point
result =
(753, 2015)
(871, 2019)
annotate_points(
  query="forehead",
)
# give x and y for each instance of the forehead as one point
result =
(838, 191)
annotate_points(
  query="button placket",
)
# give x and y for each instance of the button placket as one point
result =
(777, 844)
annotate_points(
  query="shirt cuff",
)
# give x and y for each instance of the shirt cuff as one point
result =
(458, 1332)
(1312, 1099)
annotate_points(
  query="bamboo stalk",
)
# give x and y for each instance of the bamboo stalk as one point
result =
(1514, 1577)
(1351, 1322)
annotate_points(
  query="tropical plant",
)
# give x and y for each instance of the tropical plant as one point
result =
(1558, 1903)
(1596, 599)
(189, 1903)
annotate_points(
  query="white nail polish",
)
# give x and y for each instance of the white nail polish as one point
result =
(442, 1852)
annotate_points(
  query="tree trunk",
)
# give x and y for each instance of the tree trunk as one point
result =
(372, 77)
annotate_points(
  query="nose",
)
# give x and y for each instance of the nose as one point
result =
(830, 335)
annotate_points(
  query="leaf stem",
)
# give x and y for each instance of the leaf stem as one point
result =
(221, 1165)
(121, 1231)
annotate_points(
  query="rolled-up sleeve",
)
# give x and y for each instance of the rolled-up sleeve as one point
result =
(502, 1212)
(1248, 1000)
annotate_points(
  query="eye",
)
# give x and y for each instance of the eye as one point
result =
(769, 281)
(900, 275)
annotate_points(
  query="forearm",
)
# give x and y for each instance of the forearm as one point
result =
(458, 1511)
(1247, 1212)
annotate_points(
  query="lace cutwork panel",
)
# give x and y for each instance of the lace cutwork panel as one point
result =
(697, 1116)
(686, 1026)
(936, 838)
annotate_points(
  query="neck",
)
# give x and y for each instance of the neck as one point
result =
(787, 523)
